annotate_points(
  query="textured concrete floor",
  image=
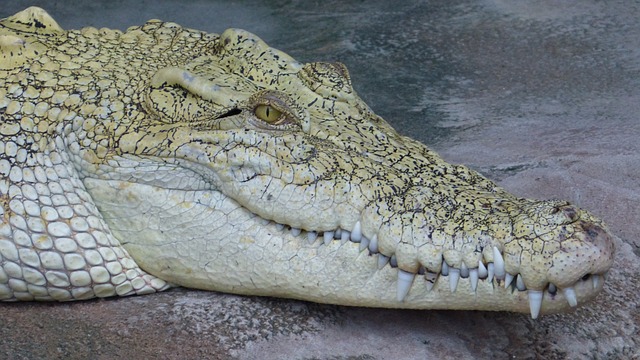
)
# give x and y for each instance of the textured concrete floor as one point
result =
(541, 97)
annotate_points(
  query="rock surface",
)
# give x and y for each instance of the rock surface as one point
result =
(543, 98)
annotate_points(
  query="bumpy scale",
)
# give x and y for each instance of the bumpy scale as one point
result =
(163, 155)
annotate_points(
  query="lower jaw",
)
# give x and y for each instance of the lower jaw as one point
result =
(213, 244)
(352, 278)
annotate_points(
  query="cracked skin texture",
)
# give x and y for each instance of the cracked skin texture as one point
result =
(165, 156)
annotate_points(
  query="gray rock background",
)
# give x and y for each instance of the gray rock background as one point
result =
(541, 96)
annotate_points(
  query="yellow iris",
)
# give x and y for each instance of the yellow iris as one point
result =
(268, 113)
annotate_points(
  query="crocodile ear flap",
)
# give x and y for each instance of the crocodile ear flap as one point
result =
(177, 95)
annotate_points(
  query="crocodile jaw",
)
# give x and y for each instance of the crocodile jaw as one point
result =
(239, 252)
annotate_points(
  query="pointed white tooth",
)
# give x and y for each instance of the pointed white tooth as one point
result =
(508, 279)
(337, 234)
(482, 270)
(520, 283)
(552, 289)
(296, 231)
(264, 221)
(473, 276)
(356, 232)
(498, 264)
(382, 261)
(445, 268)
(535, 302)
(279, 226)
(454, 275)
(312, 236)
(393, 261)
(430, 279)
(373, 244)
(464, 271)
(364, 243)
(490, 272)
(570, 295)
(596, 280)
(405, 279)
(344, 236)
(327, 237)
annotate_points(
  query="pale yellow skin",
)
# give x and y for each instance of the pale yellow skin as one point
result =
(164, 155)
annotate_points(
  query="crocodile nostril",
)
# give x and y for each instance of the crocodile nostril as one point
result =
(570, 212)
(596, 234)
(603, 245)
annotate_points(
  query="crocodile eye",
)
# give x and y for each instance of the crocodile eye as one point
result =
(268, 114)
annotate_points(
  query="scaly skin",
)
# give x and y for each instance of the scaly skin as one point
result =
(162, 155)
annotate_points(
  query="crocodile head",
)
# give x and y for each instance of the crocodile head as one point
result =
(220, 163)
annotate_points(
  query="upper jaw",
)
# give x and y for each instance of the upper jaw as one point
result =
(441, 234)
(548, 255)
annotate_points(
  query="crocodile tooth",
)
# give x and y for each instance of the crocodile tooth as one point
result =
(405, 279)
(382, 261)
(482, 270)
(393, 261)
(430, 279)
(508, 279)
(520, 283)
(535, 302)
(473, 276)
(344, 236)
(445, 268)
(552, 289)
(337, 234)
(570, 295)
(356, 232)
(595, 280)
(327, 237)
(498, 264)
(264, 221)
(490, 271)
(312, 236)
(296, 231)
(279, 227)
(464, 271)
(373, 244)
(454, 275)
(364, 243)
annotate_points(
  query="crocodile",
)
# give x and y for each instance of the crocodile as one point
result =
(161, 156)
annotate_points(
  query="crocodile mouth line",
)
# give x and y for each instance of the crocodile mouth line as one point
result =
(491, 271)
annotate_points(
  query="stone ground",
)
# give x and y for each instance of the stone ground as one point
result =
(543, 97)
